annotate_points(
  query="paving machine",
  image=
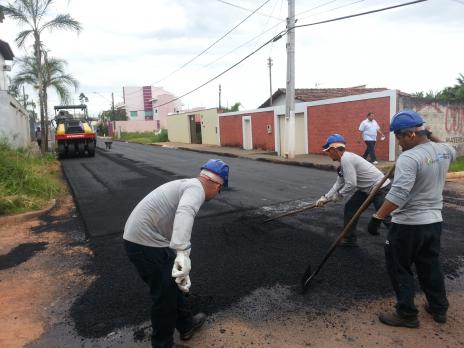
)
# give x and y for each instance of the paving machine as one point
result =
(74, 135)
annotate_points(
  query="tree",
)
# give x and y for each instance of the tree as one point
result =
(33, 15)
(83, 99)
(53, 74)
(119, 115)
(233, 108)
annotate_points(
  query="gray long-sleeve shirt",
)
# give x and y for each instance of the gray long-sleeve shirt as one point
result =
(164, 218)
(417, 187)
(358, 174)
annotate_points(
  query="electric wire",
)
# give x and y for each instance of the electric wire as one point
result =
(249, 10)
(280, 35)
(212, 45)
(332, 9)
(357, 14)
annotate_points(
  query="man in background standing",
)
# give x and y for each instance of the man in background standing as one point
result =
(38, 137)
(369, 128)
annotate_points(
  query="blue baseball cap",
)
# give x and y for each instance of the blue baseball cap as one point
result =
(334, 140)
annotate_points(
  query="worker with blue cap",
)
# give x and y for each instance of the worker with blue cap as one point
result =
(157, 241)
(356, 177)
(415, 202)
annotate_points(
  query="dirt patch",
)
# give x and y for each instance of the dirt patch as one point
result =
(39, 271)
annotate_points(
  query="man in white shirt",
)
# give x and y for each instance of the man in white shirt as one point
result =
(356, 177)
(157, 241)
(369, 128)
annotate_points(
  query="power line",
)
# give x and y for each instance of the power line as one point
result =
(242, 45)
(358, 14)
(213, 44)
(333, 9)
(249, 10)
(275, 38)
(280, 35)
(316, 7)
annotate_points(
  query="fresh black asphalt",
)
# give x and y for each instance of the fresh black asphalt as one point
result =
(233, 253)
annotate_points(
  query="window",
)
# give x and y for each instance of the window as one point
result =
(149, 113)
(133, 113)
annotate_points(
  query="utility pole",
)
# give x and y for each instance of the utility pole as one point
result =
(269, 64)
(220, 97)
(290, 90)
(112, 113)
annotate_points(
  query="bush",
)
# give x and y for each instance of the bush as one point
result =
(27, 180)
(146, 137)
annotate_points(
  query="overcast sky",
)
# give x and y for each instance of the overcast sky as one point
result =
(139, 42)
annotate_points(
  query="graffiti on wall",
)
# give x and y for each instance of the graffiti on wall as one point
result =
(447, 122)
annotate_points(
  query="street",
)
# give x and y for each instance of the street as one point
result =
(234, 255)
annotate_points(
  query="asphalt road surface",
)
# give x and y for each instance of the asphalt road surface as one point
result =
(233, 253)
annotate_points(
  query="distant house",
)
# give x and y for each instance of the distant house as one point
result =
(320, 112)
(313, 94)
(14, 120)
(195, 126)
(143, 113)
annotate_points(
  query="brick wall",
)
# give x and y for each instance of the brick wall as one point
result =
(345, 118)
(230, 129)
(261, 138)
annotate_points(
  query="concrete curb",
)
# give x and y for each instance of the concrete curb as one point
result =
(9, 219)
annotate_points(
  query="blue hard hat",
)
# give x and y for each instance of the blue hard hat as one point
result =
(333, 138)
(405, 119)
(218, 167)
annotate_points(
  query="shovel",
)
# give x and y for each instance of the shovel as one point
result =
(308, 275)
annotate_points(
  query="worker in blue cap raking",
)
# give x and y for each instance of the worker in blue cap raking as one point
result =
(356, 177)
(415, 202)
(157, 241)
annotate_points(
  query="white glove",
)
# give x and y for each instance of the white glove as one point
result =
(183, 283)
(182, 264)
(382, 138)
(321, 201)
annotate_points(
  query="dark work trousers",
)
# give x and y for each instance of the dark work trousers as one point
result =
(355, 202)
(370, 150)
(170, 309)
(419, 245)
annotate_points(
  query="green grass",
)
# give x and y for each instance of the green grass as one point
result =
(457, 165)
(146, 137)
(28, 181)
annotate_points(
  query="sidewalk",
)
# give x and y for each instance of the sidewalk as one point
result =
(311, 160)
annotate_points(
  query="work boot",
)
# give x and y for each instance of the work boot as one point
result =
(393, 319)
(198, 321)
(349, 242)
(438, 317)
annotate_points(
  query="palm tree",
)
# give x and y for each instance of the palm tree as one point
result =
(33, 15)
(53, 75)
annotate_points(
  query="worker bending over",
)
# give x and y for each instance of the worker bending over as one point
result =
(157, 241)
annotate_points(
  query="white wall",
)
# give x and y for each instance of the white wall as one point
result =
(14, 122)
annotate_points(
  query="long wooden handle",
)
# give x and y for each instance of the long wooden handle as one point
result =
(348, 226)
